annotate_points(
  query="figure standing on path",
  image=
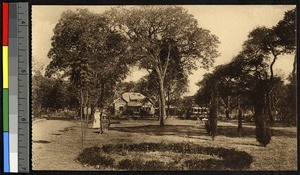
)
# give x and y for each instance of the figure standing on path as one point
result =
(96, 122)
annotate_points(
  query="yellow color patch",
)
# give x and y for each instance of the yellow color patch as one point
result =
(5, 66)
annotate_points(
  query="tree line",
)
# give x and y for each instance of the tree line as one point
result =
(248, 81)
(94, 52)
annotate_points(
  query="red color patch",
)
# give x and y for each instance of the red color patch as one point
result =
(4, 24)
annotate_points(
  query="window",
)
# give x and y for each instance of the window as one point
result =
(121, 108)
(195, 110)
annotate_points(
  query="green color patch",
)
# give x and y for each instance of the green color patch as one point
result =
(5, 110)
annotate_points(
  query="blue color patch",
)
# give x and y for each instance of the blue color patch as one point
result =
(6, 151)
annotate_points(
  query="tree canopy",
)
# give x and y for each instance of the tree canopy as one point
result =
(155, 33)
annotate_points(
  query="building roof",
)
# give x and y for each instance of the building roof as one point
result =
(132, 96)
(134, 104)
(134, 99)
(119, 99)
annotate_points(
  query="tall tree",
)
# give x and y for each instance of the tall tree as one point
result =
(269, 43)
(91, 54)
(149, 28)
(286, 31)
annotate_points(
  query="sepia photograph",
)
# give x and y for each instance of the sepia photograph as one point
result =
(164, 87)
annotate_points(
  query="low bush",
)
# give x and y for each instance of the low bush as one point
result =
(127, 164)
(228, 159)
(94, 156)
(154, 165)
(107, 148)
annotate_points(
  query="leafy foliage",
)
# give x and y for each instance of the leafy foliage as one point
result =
(286, 31)
(48, 94)
(160, 35)
(95, 159)
(249, 78)
(230, 158)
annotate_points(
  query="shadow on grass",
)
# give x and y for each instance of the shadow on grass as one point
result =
(190, 131)
(40, 141)
(181, 130)
(249, 144)
(56, 134)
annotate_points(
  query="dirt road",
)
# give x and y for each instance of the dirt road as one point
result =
(49, 150)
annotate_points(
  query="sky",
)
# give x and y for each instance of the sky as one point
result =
(230, 23)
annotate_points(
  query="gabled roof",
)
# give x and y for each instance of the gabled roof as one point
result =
(132, 96)
(120, 98)
(134, 99)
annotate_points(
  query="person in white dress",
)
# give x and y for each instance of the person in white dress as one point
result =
(96, 123)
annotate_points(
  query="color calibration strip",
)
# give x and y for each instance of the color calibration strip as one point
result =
(5, 29)
(15, 55)
(13, 86)
(23, 87)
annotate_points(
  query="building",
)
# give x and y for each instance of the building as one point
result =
(133, 103)
(199, 111)
(171, 110)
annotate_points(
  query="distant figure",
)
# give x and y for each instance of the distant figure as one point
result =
(96, 123)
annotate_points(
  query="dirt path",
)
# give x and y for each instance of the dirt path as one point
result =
(52, 148)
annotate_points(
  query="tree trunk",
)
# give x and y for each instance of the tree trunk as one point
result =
(213, 114)
(269, 104)
(269, 87)
(92, 109)
(87, 110)
(168, 108)
(159, 111)
(240, 126)
(227, 108)
(101, 107)
(227, 113)
(101, 121)
(162, 102)
(294, 65)
(108, 119)
(263, 132)
(79, 110)
(81, 115)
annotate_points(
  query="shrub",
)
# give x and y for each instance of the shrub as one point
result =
(154, 165)
(108, 148)
(230, 158)
(199, 164)
(93, 156)
(127, 164)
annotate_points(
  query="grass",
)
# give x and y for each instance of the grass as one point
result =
(280, 154)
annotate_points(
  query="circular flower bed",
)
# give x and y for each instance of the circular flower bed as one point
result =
(131, 157)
